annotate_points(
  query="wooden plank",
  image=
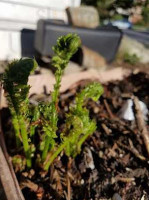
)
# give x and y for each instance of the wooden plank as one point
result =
(7, 180)
(7, 175)
(2, 193)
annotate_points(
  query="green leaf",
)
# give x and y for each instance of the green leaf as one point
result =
(78, 123)
(15, 81)
(67, 46)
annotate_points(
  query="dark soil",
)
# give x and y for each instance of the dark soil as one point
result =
(113, 164)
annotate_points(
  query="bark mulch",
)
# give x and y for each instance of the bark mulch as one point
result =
(114, 161)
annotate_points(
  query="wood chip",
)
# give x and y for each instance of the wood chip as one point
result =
(141, 124)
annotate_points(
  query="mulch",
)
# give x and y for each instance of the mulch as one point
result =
(114, 161)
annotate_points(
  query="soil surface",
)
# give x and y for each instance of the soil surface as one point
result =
(113, 163)
(134, 67)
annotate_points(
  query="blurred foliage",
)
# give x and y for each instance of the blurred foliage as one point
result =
(124, 3)
(108, 8)
(103, 6)
(131, 58)
(109, 3)
(117, 17)
(145, 14)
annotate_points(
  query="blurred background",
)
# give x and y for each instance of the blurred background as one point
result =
(114, 32)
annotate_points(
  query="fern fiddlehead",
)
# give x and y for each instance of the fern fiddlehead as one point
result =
(16, 89)
(64, 49)
(78, 123)
(25, 120)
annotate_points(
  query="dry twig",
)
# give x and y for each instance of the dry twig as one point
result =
(135, 151)
(106, 129)
(124, 179)
(141, 124)
(68, 188)
(132, 150)
(33, 187)
(108, 109)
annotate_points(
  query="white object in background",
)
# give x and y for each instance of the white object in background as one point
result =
(10, 45)
(126, 112)
(21, 13)
(60, 4)
(16, 15)
(30, 11)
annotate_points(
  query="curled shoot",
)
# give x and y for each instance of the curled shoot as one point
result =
(78, 124)
(15, 85)
(64, 49)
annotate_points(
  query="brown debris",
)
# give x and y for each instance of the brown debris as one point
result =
(68, 188)
(124, 179)
(135, 151)
(108, 109)
(55, 179)
(132, 149)
(33, 187)
(106, 129)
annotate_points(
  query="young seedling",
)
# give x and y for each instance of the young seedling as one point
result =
(65, 48)
(16, 89)
(78, 124)
(25, 118)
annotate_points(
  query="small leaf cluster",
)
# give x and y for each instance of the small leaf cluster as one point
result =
(132, 59)
(29, 120)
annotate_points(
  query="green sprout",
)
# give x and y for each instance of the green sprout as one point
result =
(16, 88)
(78, 124)
(25, 117)
(65, 48)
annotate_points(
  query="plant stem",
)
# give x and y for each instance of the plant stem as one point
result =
(63, 145)
(54, 155)
(25, 141)
(16, 129)
(55, 94)
(84, 137)
(53, 114)
(46, 148)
